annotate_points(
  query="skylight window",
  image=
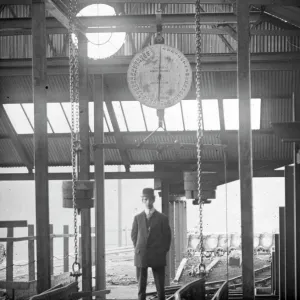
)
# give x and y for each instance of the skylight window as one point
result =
(57, 118)
(173, 118)
(119, 115)
(150, 117)
(189, 108)
(134, 116)
(231, 114)
(105, 44)
(211, 117)
(92, 119)
(18, 118)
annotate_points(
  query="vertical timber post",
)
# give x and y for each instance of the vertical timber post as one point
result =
(84, 163)
(66, 248)
(282, 253)
(177, 234)
(98, 95)
(172, 248)
(39, 88)
(245, 147)
(289, 233)
(296, 146)
(165, 190)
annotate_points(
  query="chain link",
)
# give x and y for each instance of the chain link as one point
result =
(200, 123)
(74, 99)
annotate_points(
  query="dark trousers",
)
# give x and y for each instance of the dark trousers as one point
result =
(159, 279)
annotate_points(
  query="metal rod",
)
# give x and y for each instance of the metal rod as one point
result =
(245, 148)
(290, 233)
(84, 164)
(39, 85)
(98, 94)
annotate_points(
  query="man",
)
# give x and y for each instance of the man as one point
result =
(151, 237)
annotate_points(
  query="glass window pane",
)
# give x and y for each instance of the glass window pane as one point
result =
(119, 115)
(189, 108)
(134, 116)
(57, 118)
(231, 114)
(18, 118)
(211, 118)
(150, 117)
(91, 118)
(255, 113)
(28, 107)
(173, 118)
(108, 118)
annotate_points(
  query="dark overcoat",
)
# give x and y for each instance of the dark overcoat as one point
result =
(151, 239)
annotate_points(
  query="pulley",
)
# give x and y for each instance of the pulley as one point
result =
(84, 194)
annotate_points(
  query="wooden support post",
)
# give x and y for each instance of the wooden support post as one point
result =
(180, 207)
(289, 233)
(93, 250)
(31, 255)
(184, 224)
(177, 234)
(51, 249)
(165, 190)
(40, 87)
(272, 272)
(66, 248)
(296, 146)
(84, 163)
(98, 95)
(282, 253)
(172, 248)
(277, 262)
(119, 210)
(245, 147)
(10, 258)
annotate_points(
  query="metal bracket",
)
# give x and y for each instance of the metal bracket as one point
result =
(159, 38)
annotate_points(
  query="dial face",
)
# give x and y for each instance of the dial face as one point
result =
(159, 76)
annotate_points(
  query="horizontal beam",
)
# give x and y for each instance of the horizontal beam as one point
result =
(127, 175)
(88, 2)
(130, 20)
(210, 63)
(12, 224)
(152, 29)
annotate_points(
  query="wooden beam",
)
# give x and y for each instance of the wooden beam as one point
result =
(118, 135)
(210, 63)
(282, 265)
(287, 14)
(131, 20)
(100, 176)
(136, 175)
(15, 139)
(245, 148)
(84, 162)
(88, 2)
(12, 224)
(39, 83)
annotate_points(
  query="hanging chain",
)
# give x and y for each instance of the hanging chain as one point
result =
(74, 99)
(200, 123)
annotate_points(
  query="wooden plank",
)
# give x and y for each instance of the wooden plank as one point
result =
(180, 269)
(39, 83)
(31, 254)
(11, 224)
(16, 285)
(277, 264)
(245, 148)
(98, 97)
(84, 163)
(172, 248)
(66, 248)
(10, 259)
(51, 249)
(289, 234)
(177, 234)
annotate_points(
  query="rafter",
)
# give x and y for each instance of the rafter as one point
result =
(19, 147)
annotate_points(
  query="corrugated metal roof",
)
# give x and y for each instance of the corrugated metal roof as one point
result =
(265, 147)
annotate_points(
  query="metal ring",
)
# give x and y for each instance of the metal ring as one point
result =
(75, 263)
